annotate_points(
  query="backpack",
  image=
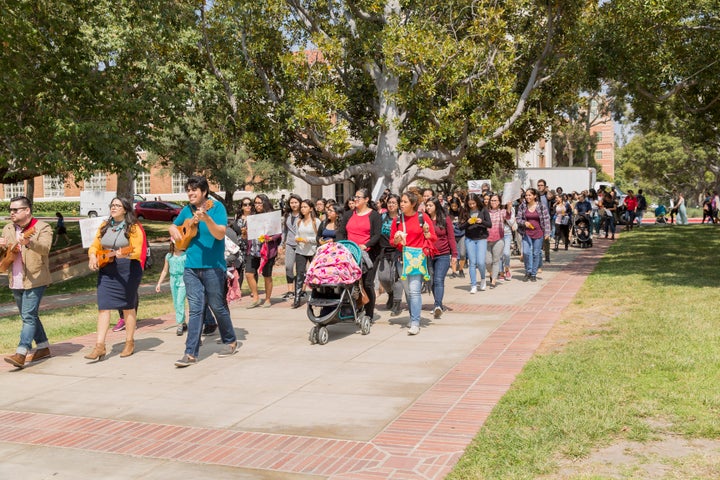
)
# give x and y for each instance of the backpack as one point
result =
(641, 202)
(145, 255)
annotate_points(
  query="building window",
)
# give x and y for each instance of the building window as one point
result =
(178, 182)
(142, 183)
(599, 136)
(340, 193)
(96, 183)
(598, 155)
(14, 190)
(54, 186)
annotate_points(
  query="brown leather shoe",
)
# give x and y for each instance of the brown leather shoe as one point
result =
(41, 353)
(98, 352)
(16, 360)
(129, 348)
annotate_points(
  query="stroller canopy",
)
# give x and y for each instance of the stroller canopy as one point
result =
(333, 264)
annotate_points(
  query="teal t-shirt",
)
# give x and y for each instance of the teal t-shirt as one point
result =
(205, 251)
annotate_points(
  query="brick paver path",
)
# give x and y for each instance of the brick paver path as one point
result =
(425, 441)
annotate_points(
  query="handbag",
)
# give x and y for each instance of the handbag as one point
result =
(414, 263)
(414, 259)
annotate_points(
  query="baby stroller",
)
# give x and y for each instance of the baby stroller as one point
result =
(660, 213)
(581, 231)
(334, 277)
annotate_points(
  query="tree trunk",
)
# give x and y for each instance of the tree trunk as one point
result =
(126, 185)
(30, 189)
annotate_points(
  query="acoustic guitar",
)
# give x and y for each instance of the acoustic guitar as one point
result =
(106, 257)
(12, 251)
(189, 229)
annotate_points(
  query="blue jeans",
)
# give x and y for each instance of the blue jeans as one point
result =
(202, 284)
(505, 263)
(440, 267)
(476, 251)
(413, 287)
(28, 303)
(532, 253)
(610, 224)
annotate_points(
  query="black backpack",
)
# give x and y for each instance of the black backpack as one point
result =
(421, 220)
(641, 202)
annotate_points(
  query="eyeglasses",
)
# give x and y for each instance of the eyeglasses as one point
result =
(15, 210)
(356, 197)
(116, 205)
(258, 202)
(245, 204)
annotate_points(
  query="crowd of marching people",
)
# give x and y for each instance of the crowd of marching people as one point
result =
(408, 244)
(460, 235)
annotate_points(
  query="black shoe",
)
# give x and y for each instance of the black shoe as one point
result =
(533, 278)
(209, 329)
(296, 302)
(461, 273)
(526, 277)
(389, 303)
(181, 329)
(396, 310)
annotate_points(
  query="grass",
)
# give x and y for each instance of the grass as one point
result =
(640, 356)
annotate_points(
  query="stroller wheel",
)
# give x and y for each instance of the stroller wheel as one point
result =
(313, 336)
(365, 325)
(323, 336)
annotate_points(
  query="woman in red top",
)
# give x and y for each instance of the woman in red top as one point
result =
(364, 227)
(406, 231)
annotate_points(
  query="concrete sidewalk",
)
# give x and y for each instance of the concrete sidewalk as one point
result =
(384, 405)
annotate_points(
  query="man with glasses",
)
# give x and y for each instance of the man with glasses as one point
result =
(29, 240)
(205, 267)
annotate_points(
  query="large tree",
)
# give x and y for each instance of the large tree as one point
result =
(661, 163)
(86, 82)
(400, 90)
(666, 59)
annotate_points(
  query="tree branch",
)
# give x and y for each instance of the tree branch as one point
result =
(532, 83)
(232, 100)
(330, 179)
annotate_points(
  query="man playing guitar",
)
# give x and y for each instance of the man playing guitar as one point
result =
(29, 275)
(204, 275)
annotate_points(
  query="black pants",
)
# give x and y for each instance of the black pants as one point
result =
(368, 281)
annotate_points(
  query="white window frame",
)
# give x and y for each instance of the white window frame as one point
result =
(96, 183)
(13, 190)
(142, 183)
(178, 182)
(53, 186)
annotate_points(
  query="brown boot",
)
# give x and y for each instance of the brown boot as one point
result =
(41, 353)
(129, 348)
(98, 352)
(16, 360)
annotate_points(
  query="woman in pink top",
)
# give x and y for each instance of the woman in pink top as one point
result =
(363, 225)
(496, 236)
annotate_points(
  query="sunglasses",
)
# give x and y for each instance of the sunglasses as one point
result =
(15, 210)
(247, 204)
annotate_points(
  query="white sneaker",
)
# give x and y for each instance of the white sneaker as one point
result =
(414, 330)
(473, 290)
(482, 285)
(437, 312)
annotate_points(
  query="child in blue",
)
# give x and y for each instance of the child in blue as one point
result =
(175, 265)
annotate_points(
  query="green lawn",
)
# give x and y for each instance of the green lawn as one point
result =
(639, 359)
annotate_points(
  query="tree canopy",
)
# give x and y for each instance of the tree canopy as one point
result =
(398, 90)
(86, 82)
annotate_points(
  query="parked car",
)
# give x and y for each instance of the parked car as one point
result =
(155, 210)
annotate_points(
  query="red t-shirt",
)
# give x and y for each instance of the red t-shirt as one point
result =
(358, 228)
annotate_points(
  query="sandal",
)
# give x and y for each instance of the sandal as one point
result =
(254, 304)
